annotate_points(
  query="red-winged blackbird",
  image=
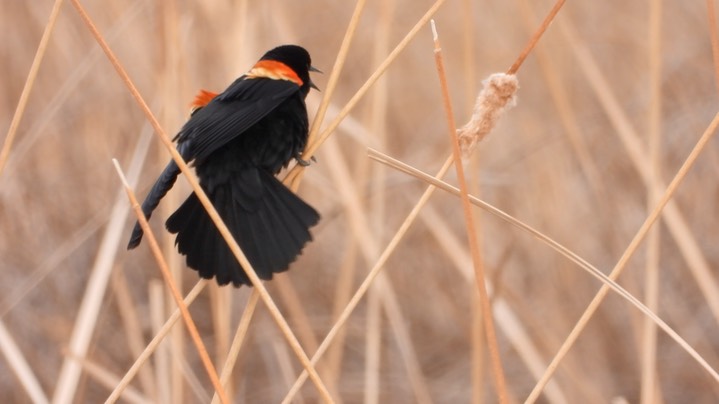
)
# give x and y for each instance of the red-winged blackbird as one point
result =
(238, 141)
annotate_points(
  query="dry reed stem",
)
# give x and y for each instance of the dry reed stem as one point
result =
(212, 212)
(677, 225)
(107, 379)
(156, 302)
(220, 311)
(411, 362)
(376, 177)
(87, 315)
(608, 281)
(286, 370)
(73, 241)
(126, 308)
(555, 83)
(295, 311)
(478, 352)
(285, 288)
(22, 370)
(479, 349)
(648, 355)
(169, 281)
(351, 305)
(508, 321)
(196, 386)
(534, 40)
(335, 73)
(240, 334)
(343, 291)
(651, 282)
(490, 333)
(39, 125)
(293, 178)
(674, 220)
(714, 38)
(132, 328)
(362, 289)
(373, 347)
(169, 72)
(359, 223)
(621, 264)
(312, 147)
(152, 346)
(29, 82)
(405, 226)
(404, 341)
(469, 75)
(408, 221)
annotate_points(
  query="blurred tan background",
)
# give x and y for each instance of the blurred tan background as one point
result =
(559, 161)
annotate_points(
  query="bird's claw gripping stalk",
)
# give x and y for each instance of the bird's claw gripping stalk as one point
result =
(303, 162)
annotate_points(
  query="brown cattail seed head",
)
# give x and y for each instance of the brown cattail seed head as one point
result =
(498, 94)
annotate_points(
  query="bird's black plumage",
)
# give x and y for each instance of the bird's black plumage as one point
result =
(238, 142)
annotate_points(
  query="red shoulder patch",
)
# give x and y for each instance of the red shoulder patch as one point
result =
(272, 69)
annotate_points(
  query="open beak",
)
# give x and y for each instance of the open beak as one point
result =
(314, 69)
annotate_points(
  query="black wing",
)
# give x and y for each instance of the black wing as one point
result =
(228, 115)
(231, 113)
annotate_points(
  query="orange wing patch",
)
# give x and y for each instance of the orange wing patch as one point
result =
(272, 69)
(201, 99)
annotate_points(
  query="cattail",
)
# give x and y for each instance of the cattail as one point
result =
(497, 95)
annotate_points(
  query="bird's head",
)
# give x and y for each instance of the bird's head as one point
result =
(287, 62)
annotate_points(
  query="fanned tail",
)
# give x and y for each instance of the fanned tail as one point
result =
(270, 223)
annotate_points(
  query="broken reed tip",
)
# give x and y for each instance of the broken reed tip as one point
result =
(498, 94)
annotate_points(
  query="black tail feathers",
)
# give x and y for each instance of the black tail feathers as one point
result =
(270, 223)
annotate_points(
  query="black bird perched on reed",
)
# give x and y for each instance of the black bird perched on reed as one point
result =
(238, 141)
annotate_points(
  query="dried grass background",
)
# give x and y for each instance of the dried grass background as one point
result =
(559, 161)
